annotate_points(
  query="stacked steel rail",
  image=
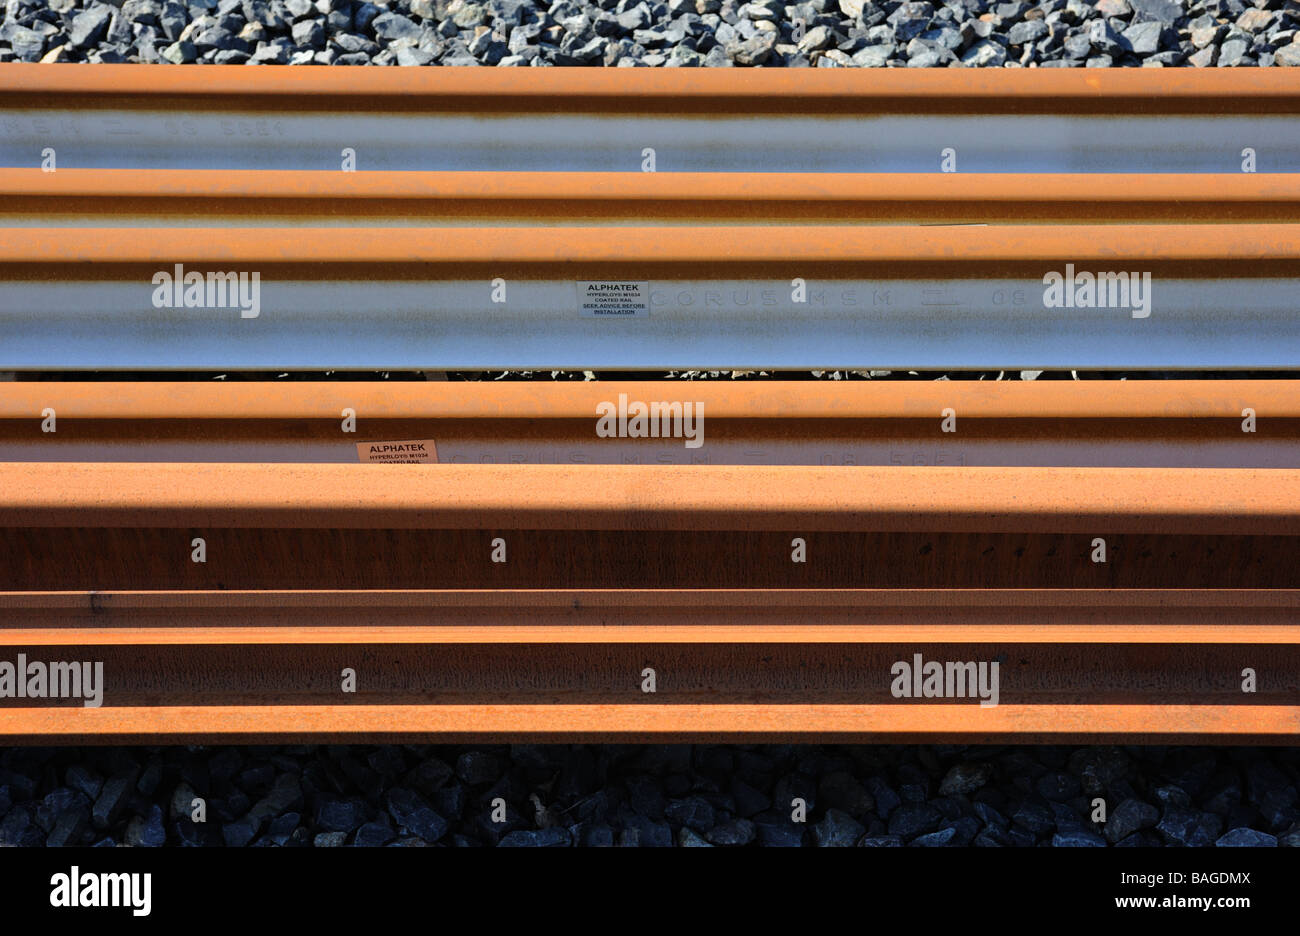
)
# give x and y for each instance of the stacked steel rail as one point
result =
(1124, 552)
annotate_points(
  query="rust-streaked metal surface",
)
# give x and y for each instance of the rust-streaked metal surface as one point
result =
(731, 663)
(94, 197)
(848, 90)
(1196, 423)
(132, 558)
(584, 120)
(553, 645)
(1174, 670)
(636, 615)
(773, 577)
(548, 671)
(568, 252)
(653, 497)
(564, 722)
(1080, 403)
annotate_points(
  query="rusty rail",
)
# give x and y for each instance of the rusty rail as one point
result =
(313, 568)
(560, 665)
(1083, 561)
(173, 197)
(837, 91)
(922, 214)
(714, 297)
(1162, 424)
(226, 117)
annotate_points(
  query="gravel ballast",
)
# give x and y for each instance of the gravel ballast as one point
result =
(676, 33)
(685, 795)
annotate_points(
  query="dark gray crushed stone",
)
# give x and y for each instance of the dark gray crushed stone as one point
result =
(650, 796)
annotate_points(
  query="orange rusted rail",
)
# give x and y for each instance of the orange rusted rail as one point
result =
(178, 197)
(229, 724)
(847, 91)
(565, 665)
(1082, 405)
(921, 251)
(1152, 424)
(654, 497)
(570, 615)
(492, 600)
(1082, 561)
(752, 655)
(585, 120)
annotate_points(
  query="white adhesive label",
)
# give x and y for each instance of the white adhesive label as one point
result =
(608, 299)
(413, 452)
